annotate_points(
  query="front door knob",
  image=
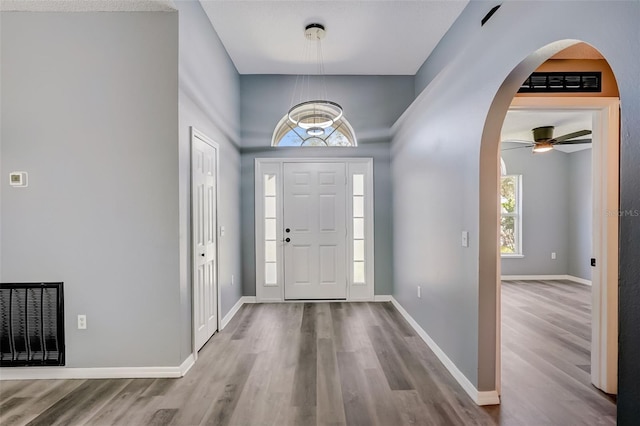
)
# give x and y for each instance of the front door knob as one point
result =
(287, 239)
(287, 230)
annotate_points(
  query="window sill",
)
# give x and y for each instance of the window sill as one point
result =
(512, 256)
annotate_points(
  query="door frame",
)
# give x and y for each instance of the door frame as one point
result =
(195, 133)
(275, 166)
(605, 227)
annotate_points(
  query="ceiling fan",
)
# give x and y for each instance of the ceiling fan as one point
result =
(544, 141)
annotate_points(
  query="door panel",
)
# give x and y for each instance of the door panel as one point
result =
(315, 211)
(204, 175)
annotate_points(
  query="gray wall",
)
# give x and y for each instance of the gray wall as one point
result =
(580, 214)
(371, 104)
(545, 204)
(556, 212)
(209, 101)
(90, 111)
(437, 179)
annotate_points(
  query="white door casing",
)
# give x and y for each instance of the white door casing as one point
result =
(204, 175)
(315, 260)
(270, 228)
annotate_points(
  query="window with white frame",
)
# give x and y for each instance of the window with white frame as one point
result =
(270, 231)
(511, 215)
(358, 230)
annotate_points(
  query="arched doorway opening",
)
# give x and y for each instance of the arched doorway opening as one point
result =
(605, 112)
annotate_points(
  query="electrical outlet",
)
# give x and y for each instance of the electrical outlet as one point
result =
(553, 255)
(419, 292)
(82, 322)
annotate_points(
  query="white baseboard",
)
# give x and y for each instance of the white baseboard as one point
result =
(249, 299)
(232, 312)
(382, 298)
(578, 280)
(488, 398)
(51, 373)
(544, 277)
(480, 398)
(187, 364)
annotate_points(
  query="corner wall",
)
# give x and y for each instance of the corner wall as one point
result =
(209, 100)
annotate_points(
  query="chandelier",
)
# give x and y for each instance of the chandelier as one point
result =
(311, 113)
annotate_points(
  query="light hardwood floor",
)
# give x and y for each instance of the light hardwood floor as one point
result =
(308, 364)
(546, 338)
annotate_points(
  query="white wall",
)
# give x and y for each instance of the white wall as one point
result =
(209, 100)
(89, 110)
(440, 188)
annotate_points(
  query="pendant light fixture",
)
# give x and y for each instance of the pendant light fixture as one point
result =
(311, 112)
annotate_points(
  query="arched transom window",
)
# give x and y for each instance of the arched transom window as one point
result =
(339, 133)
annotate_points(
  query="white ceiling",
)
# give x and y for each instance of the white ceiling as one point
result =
(365, 37)
(518, 124)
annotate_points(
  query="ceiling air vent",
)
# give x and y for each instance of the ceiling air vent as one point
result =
(558, 82)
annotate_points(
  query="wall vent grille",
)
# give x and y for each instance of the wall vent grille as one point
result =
(31, 324)
(558, 82)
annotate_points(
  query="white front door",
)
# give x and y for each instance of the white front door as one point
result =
(314, 223)
(204, 228)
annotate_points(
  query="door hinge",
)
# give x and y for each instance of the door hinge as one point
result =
(593, 261)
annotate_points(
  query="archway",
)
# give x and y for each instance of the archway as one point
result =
(605, 296)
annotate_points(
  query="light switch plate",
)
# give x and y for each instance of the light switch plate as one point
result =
(465, 238)
(18, 179)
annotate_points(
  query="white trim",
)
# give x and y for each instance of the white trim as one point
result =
(55, 373)
(533, 277)
(232, 312)
(249, 299)
(487, 398)
(383, 298)
(480, 398)
(544, 277)
(187, 364)
(579, 280)
(275, 293)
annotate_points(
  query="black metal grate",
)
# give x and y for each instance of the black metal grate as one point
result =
(557, 82)
(31, 324)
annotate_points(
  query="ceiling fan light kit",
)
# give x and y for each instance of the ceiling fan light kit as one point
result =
(543, 140)
(542, 147)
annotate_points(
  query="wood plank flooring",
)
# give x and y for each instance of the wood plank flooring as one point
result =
(335, 364)
(546, 338)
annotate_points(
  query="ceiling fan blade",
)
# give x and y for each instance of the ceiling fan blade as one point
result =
(571, 136)
(517, 147)
(517, 141)
(573, 142)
